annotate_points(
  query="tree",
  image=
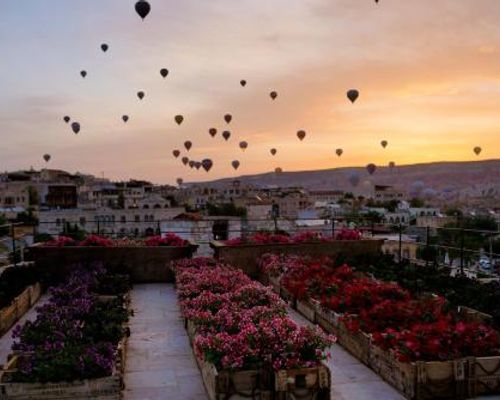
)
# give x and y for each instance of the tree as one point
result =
(227, 209)
(416, 203)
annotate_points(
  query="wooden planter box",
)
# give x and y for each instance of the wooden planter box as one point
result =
(304, 384)
(144, 264)
(246, 256)
(485, 376)
(20, 305)
(107, 388)
(307, 309)
(327, 319)
(274, 282)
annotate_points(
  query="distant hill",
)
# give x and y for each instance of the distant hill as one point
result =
(466, 177)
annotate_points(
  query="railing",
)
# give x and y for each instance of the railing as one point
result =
(430, 248)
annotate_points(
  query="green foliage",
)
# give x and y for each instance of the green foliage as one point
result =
(42, 237)
(417, 203)
(390, 205)
(74, 232)
(223, 210)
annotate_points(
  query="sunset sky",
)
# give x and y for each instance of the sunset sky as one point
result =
(428, 72)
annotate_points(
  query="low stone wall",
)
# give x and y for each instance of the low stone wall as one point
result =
(144, 264)
(246, 256)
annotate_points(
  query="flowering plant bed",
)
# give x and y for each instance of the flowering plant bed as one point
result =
(144, 261)
(75, 347)
(243, 341)
(416, 344)
(244, 254)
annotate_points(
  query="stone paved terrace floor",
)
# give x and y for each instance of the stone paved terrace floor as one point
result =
(160, 363)
(6, 340)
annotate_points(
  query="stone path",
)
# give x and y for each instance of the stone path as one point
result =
(160, 363)
(6, 340)
(350, 378)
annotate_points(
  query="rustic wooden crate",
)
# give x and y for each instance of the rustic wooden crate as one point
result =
(107, 388)
(305, 383)
(485, 376)
(424, 380)
(307, 309)
(221, 385)
(468, 314)
(274, 282)
(20, 305)
(356, 343)
(327, 319)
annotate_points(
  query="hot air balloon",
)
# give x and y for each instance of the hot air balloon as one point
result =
(339, 152)
(66, 119)
(185, 160)
(104, 47)
(47, 157)
(142, 8)
(478, 150)
(273, 95)
(212, 132)
(140, 95)
(278, 170)
(301, 135)
(197, 164)
(76, 127)
(207, 164)
(235, 164)
(354, 178)
(125, 118)
(243, 83)
(191, 164)
(428, 194)
(243, 145)
(352, 95)
(180, 181)
(188, 144)
(274, 151)
(83, 73)
(371, 168)
(176, 153)
(228, 118)
(416, 188)
(179, 119)
(392, 164)
(226, 135)
(164, 72)
(384, 143)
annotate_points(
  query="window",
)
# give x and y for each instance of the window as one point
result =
(83, 221)
(123, 219)
(137, 218)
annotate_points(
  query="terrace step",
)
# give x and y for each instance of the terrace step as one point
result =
(160, 363)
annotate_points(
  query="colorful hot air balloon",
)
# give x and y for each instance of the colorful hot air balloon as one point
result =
(191, 164)
(392, 164)
(371, 168)
(76, 127)
(243, 145)
(228, 118)
(179, 119)
(66, 119)
(243, 83)
(384, 143)
(104, 47)
(339, 152)
(83, 73)
(141, 95)
(273, 95)
(212, 132)
(142, 8)
(180, 181)
(176, 153)
(207, 164)
(235, 164)
(274, 151)
(278, 170)
(164, 72)
(185, 160)
(226, 135)
(188, 144)
(47, 157)
(125, 118)
(301, 135)
(478, 150)
(352, 95)
(197, 164)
